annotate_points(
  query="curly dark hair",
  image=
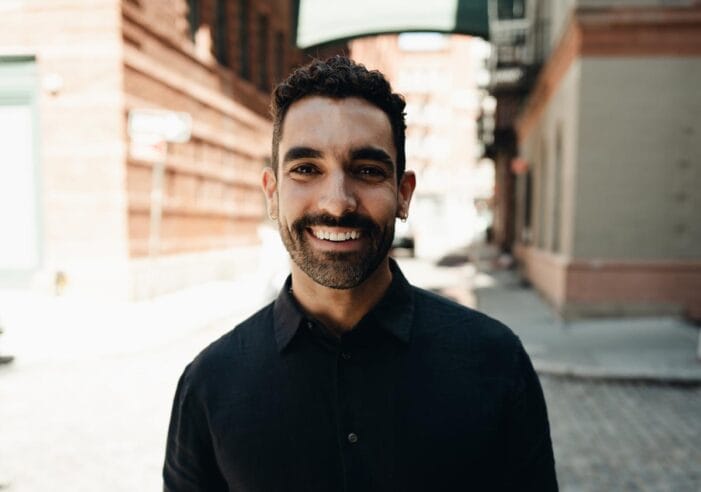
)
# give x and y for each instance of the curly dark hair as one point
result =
(339, 77)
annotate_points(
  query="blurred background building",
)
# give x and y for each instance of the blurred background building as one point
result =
(76, 196)
(584, 114)
(596, 147)
(442, 78)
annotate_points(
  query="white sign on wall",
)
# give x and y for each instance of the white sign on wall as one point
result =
(171, 126)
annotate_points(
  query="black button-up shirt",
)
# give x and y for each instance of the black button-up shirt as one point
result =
(422, 395)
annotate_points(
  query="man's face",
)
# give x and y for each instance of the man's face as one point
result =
(336, 194)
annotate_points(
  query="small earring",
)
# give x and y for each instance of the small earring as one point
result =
(272, 217)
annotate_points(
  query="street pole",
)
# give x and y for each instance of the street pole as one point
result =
(150, 131)
(156, 214)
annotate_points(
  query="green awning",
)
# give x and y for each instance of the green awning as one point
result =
(325, 21)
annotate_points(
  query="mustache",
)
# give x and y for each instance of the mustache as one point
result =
(352, 220)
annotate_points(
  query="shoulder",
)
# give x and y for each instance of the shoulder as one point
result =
(442, 323)
(435, 311)
(248, 342)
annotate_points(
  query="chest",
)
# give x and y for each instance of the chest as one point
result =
(373, 418)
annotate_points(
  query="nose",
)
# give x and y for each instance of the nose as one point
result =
(337, 196)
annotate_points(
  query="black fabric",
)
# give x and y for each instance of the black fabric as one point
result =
(422, 395)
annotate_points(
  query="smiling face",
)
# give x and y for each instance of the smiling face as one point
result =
(336, 194)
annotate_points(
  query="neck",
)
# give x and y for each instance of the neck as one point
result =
(340, 309)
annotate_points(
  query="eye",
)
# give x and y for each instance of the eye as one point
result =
(374, 173)
(304, 170)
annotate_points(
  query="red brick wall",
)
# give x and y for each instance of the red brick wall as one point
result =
(110, 56)
(212, 197)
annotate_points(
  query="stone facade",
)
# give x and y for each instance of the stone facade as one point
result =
(609, 131)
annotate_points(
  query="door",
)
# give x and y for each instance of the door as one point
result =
(19, 187)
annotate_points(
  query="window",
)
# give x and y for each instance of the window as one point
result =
(221, 38)
(193, 17)
(510, 9)
(526, 235)
(244, 35)
(542, 185)
(557, 200)
(263, 75)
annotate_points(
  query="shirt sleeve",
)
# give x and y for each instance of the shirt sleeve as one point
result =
(190, 464)
(530, 461)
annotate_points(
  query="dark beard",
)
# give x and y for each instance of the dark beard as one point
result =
(337, 270)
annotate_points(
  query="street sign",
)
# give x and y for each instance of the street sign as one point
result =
(150, 130)
(171, 126)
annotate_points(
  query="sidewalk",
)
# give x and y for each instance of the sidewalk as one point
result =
(653, 349)
(41, 328)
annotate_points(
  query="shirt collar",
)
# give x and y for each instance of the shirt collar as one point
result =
(393, 313)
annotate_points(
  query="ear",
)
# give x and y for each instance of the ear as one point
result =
(406, 190)
(269, 183)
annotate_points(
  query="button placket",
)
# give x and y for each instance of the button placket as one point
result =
(345, 355)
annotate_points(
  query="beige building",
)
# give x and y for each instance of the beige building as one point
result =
(76, 205)
(607, 173)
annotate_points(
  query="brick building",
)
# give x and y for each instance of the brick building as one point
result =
(75, 204)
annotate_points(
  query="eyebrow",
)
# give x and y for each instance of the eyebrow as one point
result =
(301, 153)
(373, 154)
(362, 153)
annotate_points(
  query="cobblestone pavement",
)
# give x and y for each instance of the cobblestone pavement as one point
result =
(625, 436)
(98, 423)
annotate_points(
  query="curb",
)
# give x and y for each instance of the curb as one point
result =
(591, 373)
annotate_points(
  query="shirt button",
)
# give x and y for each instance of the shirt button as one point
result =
(309, 325)
(352, 438)
(346, 355)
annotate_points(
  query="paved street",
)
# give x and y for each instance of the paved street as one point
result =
(625, 436)
(99, 424)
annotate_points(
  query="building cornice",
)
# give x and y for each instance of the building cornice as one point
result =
(612, 32)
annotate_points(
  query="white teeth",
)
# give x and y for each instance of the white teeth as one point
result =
(337, 236)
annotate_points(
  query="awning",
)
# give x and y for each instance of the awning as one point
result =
(326, 21)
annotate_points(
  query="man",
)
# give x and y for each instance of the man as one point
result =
(353, 380)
